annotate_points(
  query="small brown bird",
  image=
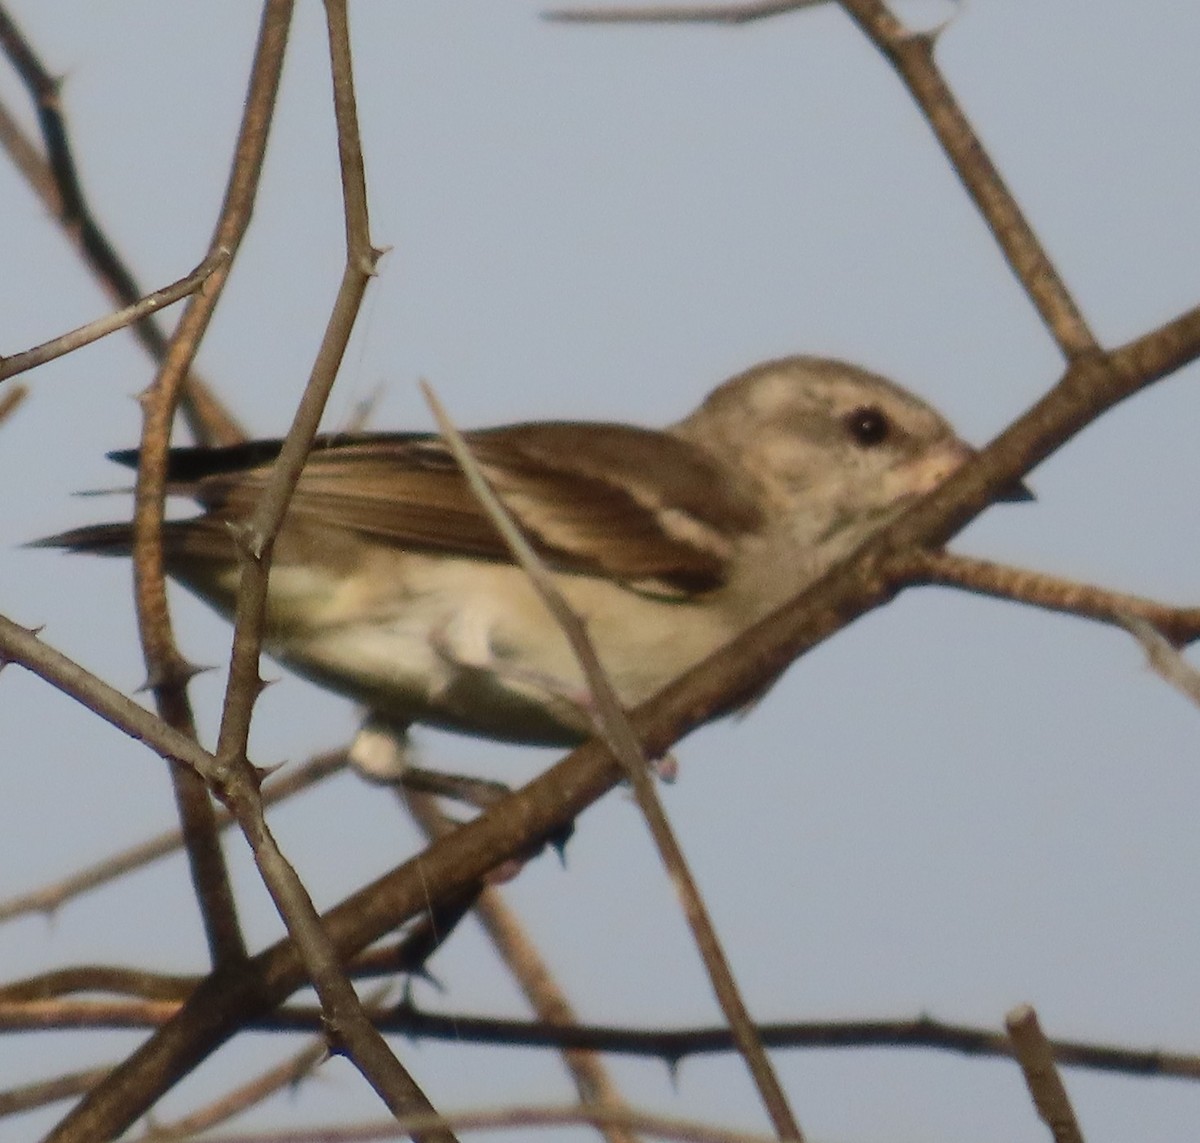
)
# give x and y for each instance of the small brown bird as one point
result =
(392, 586)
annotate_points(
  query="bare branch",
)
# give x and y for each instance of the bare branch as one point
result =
(911, 54)
(347, 1025)
(521, 957)
(50, 897)
(11, 401)
(56, 182)
(1180, 625)
(656, 1126)
(680, 13)
(110, 323)
(98, 978)
(613, 724)
(286, 1074)
(257, 540)
(1166, 661)
(22, 646)
(671, 1045)
(27, 1097)
(1036, 1057)
(166, 669)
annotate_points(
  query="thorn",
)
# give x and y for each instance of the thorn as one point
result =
(422, 972)
(558, 842)
(673, 1067)
(264, 772)
(247, 539)
(364, 409)
(188, 670)
(935, 33)
(333, 1042)
(177, 672)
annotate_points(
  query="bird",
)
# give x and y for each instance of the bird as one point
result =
(392, 586)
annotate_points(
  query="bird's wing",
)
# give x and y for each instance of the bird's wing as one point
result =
(635, 504)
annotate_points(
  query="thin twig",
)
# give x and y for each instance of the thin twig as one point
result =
(166, 668)
(26, 157)
(349, 1029)
(30, 1096)
(288, 1073)
(11, 401)
(48, 898)
(110, 323)
(59, 982)
(1166, 661)
(256, 540)
(613, 723)
(680, 13)
(1035, 1054)
(21, 646)
(1181, 625)
(55, 180)
(671, 1045)
(911, 54)
(655, 1126)
(532, 974)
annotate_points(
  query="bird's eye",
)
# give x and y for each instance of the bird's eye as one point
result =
(868, 426)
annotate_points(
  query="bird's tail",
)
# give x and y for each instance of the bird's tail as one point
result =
(97, 539)
(200, 540)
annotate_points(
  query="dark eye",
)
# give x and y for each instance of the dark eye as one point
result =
(868, 425)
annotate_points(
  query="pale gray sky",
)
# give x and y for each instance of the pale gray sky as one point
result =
(956, 805)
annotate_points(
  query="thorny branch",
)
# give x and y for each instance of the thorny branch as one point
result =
(670, 1045)
(53, 177)
(613, 726)
(1093, 383)
(167, 670)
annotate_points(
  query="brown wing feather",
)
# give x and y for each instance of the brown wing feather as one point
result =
(626, 502)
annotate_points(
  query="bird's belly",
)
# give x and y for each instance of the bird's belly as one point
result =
(470, 647)
(397, 672)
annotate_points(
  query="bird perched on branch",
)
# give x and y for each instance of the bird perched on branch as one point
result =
(391, 585)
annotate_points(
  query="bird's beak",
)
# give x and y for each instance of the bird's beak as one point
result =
(932, 469)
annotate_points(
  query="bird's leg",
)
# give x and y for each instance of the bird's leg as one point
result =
(381, 753)
(477, 792)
